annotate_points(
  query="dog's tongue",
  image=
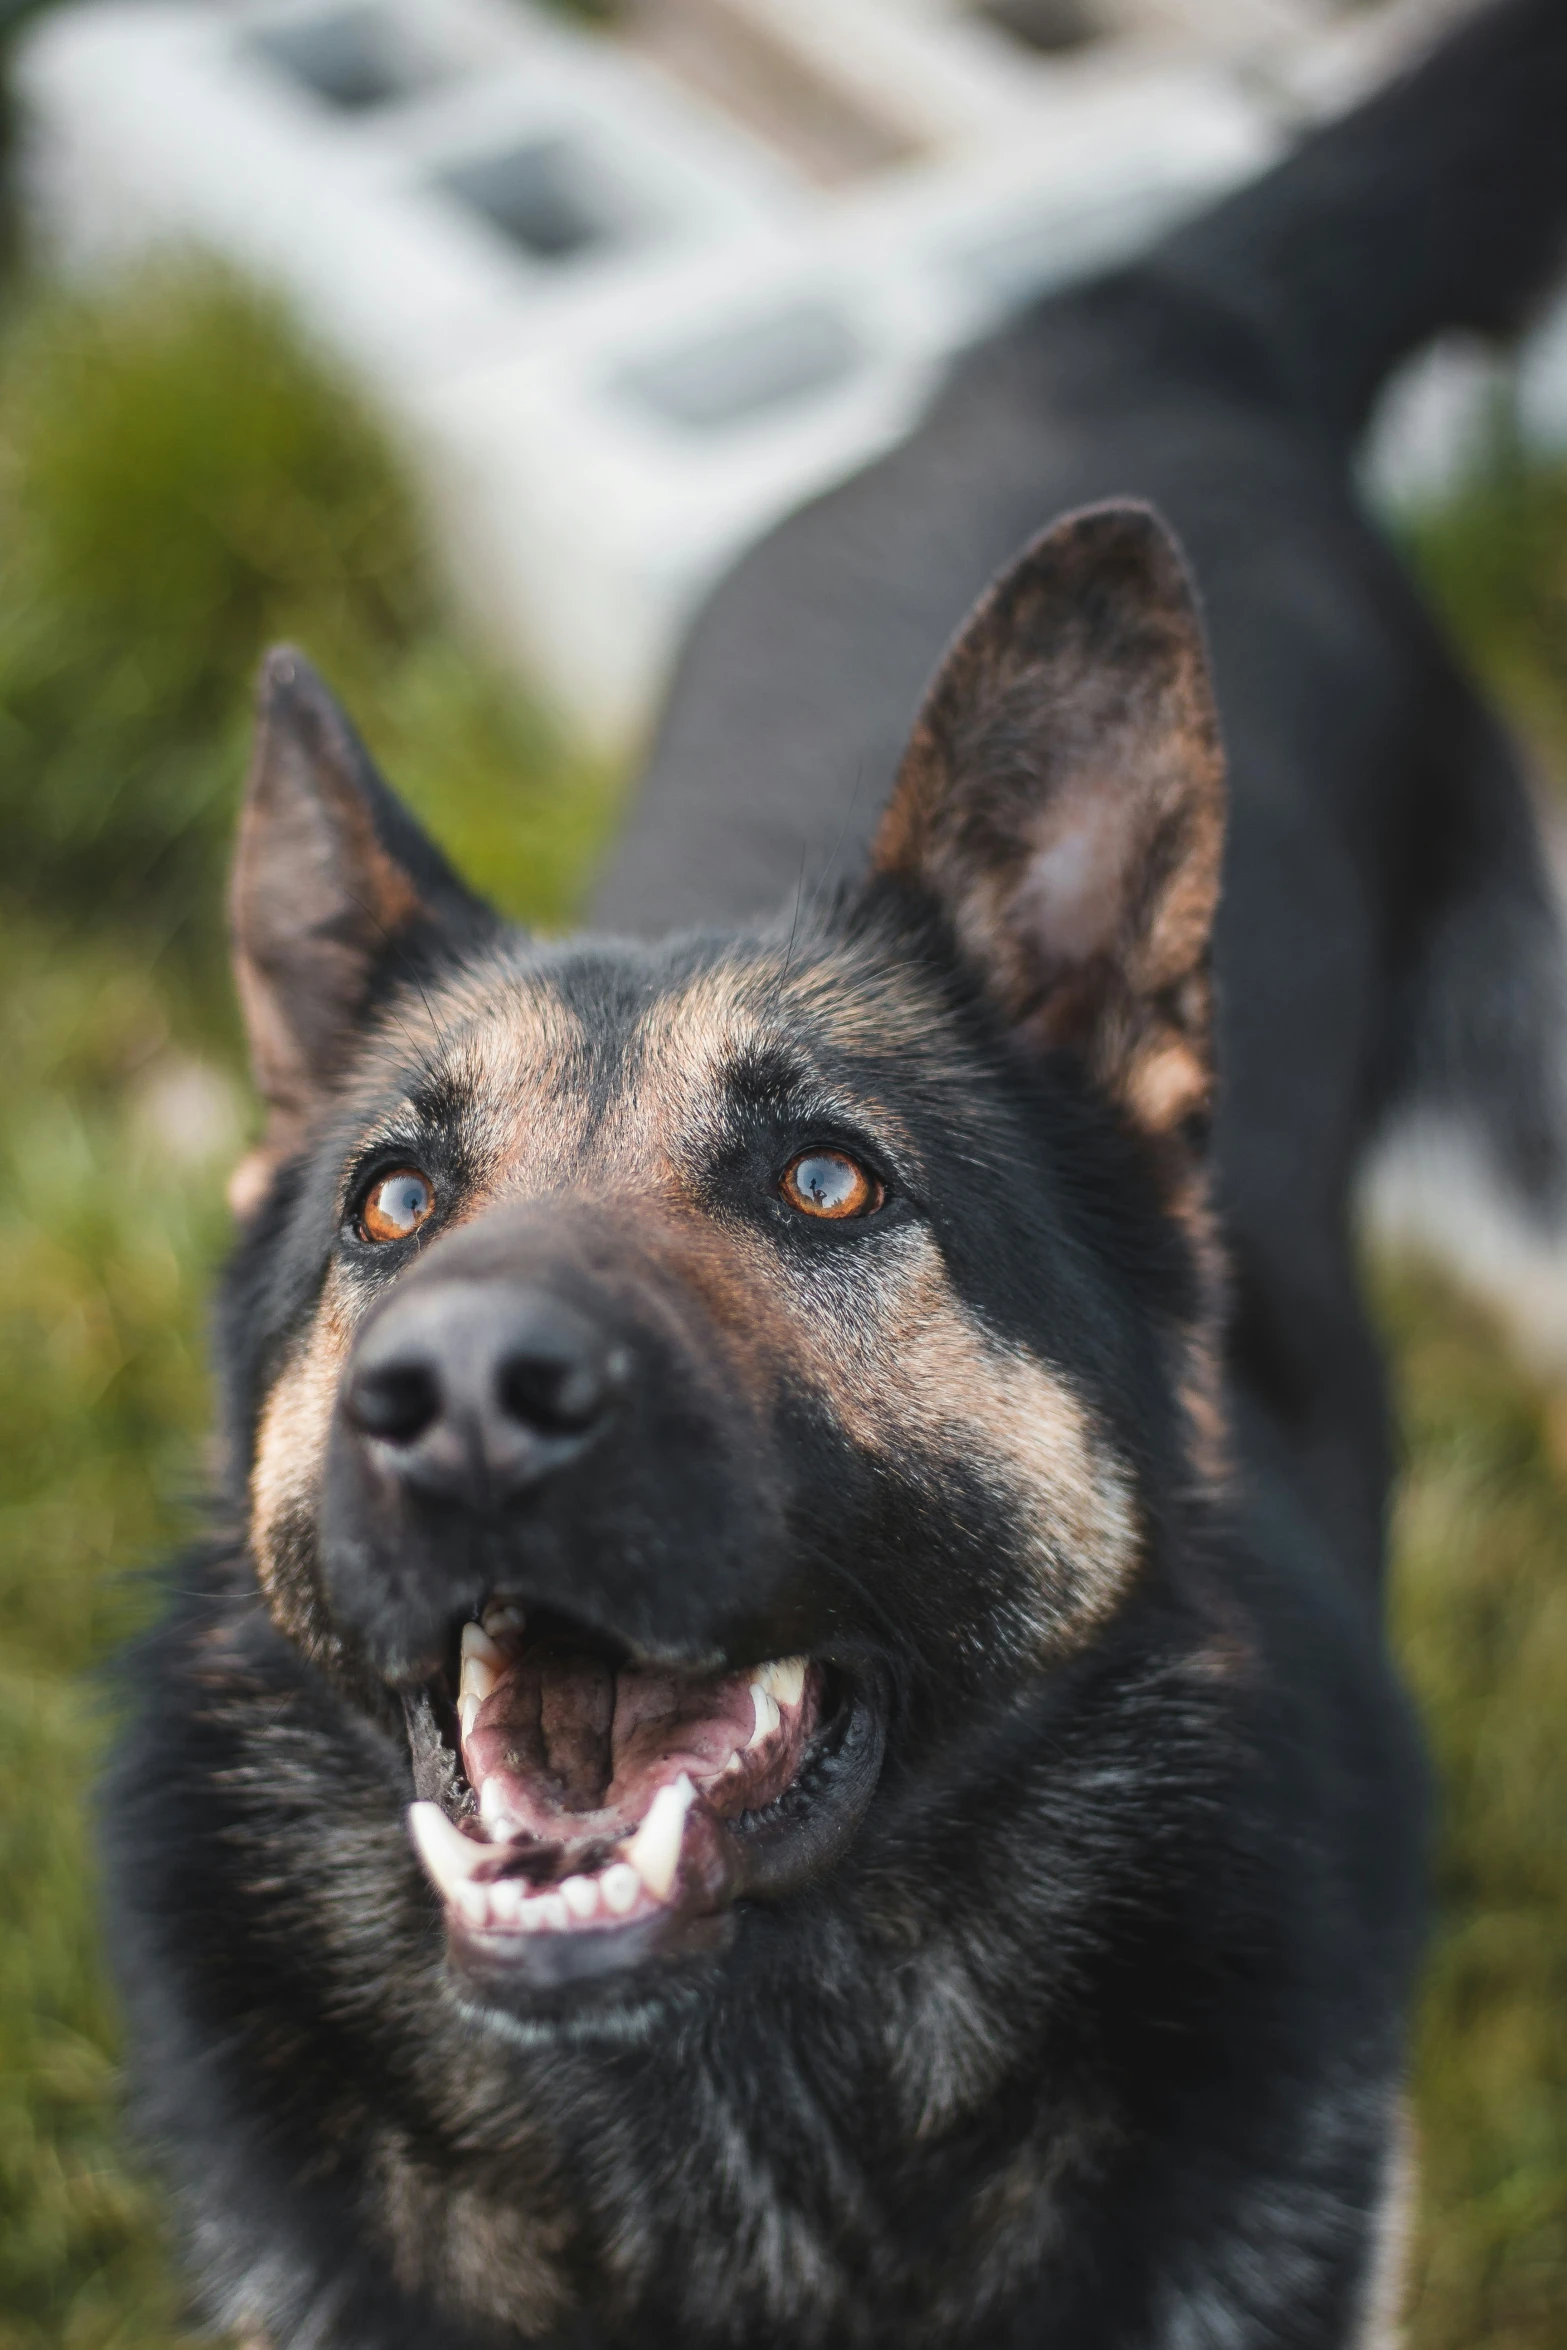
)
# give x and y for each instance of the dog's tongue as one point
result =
(564, 1747)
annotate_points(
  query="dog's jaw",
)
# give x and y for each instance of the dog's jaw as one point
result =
(586, 1814)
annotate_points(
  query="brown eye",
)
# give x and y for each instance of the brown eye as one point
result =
(397, 1205)
(831, 1184)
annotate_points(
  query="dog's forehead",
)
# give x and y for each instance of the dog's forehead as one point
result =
(638, 1061)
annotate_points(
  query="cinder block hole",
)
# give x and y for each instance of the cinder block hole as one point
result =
(729, 378)
(355, 59)
(544, 196)
(1046, 25)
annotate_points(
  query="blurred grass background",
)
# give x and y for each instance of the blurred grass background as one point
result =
(180, 483)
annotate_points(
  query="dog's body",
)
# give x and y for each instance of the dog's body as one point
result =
(824, 1327)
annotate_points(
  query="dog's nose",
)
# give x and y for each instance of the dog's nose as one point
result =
(479, 1390)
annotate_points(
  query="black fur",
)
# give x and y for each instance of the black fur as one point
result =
(1093, 2034)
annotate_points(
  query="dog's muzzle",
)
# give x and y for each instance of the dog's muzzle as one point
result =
(554, 1521)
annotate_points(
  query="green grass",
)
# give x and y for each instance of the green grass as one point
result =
(102, 1233)
(178, 484)
(1495, 561)
(1480, 1613)
(1480, 1604)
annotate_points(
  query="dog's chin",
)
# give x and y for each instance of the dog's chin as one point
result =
(590, 1820)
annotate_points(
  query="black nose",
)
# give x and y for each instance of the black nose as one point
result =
(478, 1390)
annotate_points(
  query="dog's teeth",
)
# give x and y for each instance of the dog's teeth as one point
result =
(494, 1810)
(619, 1887)
(481, 1668)
(654, 1851)
(506, 1901)
(474, 1902)
(503, 1615)
(766, 1714)
(784, 1679)
(449, 1856)
(475, 1685)
(548, 1914)
(477, 1643)
(580, 1895)
(468, 1714)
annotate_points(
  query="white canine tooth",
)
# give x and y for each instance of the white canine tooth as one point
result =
(503, 1615)
(548, 1914)
(468, 1713)
(786, 1679)
(619, 1886)
(475, 1682)
(654, 1851)
(506, 1900)
(580, 1895)
(449, 1856)
(481, 1667)
(477, 1644)
(494, 1811)
(474, 1902)
(766, 1714)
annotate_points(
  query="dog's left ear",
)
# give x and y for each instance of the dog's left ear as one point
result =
(334, 886)
(1062, 798)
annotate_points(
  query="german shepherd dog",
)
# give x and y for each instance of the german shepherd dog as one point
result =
(792, 1742)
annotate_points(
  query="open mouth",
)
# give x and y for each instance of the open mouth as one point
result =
(580, 1812)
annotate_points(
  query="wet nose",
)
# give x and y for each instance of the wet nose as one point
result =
(474, 1391)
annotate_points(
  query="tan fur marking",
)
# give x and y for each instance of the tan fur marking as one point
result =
(519, 1063)
(1188, 1199)
(690, 1043)
(1207, 1423)
(513, 1050)
(912, 1374)
(251, 1180)
(1165, 1084)
(285, 1480)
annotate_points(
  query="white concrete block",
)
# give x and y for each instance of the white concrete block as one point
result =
(1542, 383)
(617, 327)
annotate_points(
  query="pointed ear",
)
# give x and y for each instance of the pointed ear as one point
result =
(1062, 798)
(331, 879)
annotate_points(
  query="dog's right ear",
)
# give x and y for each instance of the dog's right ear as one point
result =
(332, 881)
(1062, 801)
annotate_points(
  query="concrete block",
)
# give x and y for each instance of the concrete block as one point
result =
(626, 301)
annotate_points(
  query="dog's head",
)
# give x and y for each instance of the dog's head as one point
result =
(687, 1389)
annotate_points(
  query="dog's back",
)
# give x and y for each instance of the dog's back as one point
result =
(1387, 938)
